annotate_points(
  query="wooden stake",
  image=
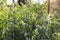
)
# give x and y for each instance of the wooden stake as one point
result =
(48, 6)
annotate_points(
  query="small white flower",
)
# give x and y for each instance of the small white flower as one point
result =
(48, 18)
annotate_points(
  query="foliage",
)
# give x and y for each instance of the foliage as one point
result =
(30, 22)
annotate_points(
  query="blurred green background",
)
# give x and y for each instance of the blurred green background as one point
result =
(30, 22)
